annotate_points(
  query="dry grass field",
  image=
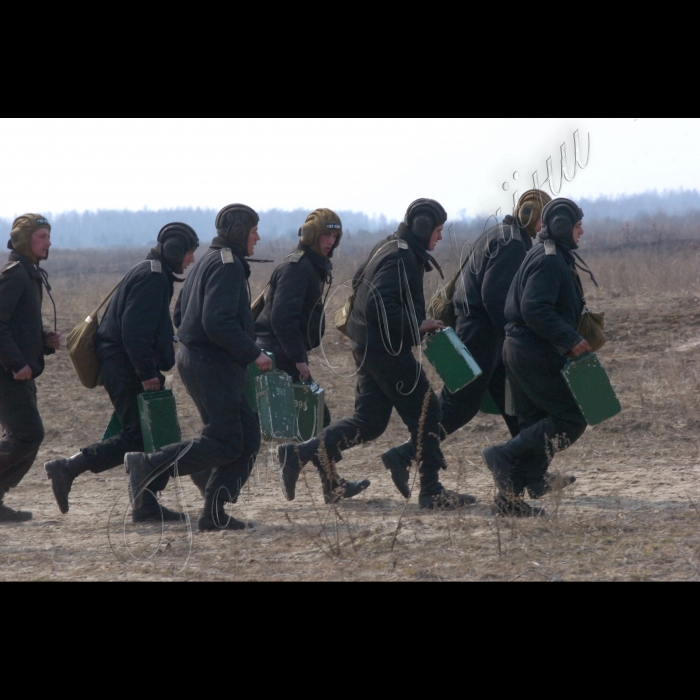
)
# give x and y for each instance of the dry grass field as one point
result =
(633, 514)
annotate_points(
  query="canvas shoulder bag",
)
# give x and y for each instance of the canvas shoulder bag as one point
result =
(590, 324)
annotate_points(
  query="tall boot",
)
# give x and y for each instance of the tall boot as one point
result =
(398, 461)
(215, 517)
(62, 472)
(152, 511)
(9, 515)
(335, 488)
(434, 496)
(293, 457)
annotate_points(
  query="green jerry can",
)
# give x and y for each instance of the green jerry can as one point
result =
(113, 427)
(254, 372)
(309, 402)
(451, 359)
(159, 423)
(275, 397)
(591, 388)
(488, 405)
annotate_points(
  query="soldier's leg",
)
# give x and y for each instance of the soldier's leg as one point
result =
(370, 419)
(23, 435)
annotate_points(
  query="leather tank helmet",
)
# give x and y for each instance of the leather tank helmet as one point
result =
(559, 218)
(175, 240)
(21, 235)
(529, 210)
(423, 216)
(234, 223)
(318, 222)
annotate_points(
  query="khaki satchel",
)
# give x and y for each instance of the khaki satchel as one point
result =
(342, 315)
(590, 323)
(441, 306)
(590, 327)
(80, 343)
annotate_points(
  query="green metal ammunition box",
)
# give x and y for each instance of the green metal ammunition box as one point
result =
(591, 388)
(309, 402)
(254, 372)
(159, 423)
(451, 359)
(488, 405)
(113, 427)
(275, 397)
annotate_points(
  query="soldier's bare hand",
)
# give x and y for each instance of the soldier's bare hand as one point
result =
(304, 371)
(263, 362)
(23, 374)
(581, 349)
(151, 384)
(431, 324)
(53, 340)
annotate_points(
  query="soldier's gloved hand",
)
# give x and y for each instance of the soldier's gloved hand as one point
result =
(263, 362)
(304, 371)
(151, 384)
(431, 324)
(581, 349)
(24, 373)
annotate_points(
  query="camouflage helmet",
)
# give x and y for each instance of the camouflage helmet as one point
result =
(529, 209)
(317, 222)
(21, 235)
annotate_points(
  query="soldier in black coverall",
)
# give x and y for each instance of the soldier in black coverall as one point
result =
(543, 307)
(386, 322)
(134, 344)
(479, 304)
(215, 329)
(292, 321)
(23, 344)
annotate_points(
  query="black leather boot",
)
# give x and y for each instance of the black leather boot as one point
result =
(214, 517)
(152, 511)
(336, 489)
(434, 496)
(516, 508)
(398, 461)
(8, 515)
(62, 472)
(293, 457)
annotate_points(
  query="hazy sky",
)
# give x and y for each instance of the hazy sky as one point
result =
(373, 165)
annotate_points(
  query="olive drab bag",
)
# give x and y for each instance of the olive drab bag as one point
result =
(441, 306)
(342, 315)
(80, 344)
(590, 323)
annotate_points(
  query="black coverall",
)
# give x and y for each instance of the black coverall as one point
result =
(543, 307)
(215, 329)
(383, 327)
(22, 343)
(134, 343)
(292, 321)
(479, 304)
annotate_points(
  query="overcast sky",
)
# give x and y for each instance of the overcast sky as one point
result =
(373, 165)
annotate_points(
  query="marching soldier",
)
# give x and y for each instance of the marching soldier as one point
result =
(479, 304)
(23, 344)
(386, 322)
(543, 307)
(215, 329)
(134, 344)
(292, 321)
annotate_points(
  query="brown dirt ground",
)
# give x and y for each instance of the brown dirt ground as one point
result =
(633, 514)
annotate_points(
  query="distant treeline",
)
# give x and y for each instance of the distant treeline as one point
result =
(611, 221)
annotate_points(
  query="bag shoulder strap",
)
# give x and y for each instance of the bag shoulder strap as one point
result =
(388, 243)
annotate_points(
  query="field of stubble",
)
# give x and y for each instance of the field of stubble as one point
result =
(633, 514)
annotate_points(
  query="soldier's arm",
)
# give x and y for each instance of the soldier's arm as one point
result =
(11, 290)
(286, 312)
(141, 321)
(220, 318)
(537, 305)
